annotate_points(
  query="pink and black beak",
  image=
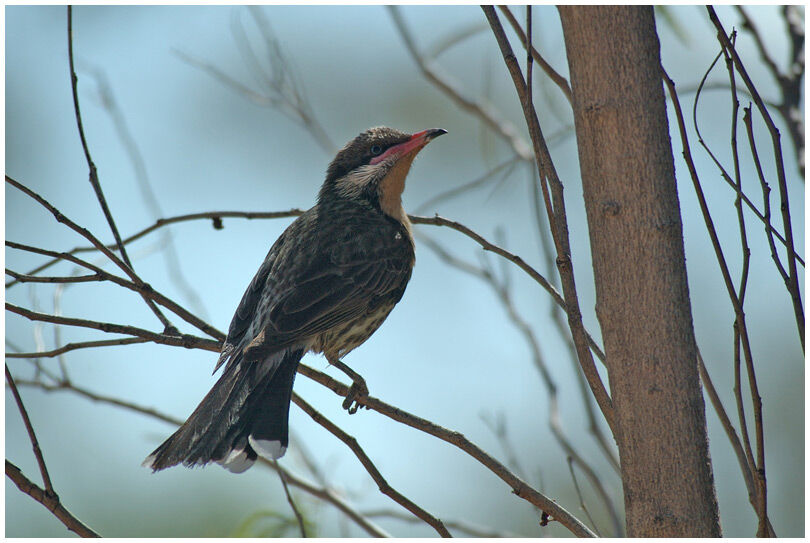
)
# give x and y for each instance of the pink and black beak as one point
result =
(413, 145)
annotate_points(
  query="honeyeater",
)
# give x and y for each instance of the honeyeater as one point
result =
(327, 283)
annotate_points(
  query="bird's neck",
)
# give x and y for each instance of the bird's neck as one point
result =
(390, 191)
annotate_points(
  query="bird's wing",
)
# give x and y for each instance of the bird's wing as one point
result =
(301, 291)
(340, 285)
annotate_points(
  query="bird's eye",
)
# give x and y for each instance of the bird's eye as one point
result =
(376, 149)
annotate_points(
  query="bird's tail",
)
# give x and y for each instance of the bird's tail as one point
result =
(243, 416)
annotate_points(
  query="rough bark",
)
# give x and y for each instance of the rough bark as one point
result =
(642, 296)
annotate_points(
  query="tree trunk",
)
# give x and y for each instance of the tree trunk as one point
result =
(642, 296)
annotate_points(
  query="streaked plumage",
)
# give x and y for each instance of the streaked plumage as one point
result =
(326, 285)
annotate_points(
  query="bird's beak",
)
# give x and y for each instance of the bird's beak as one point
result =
(429, 134)
(413, 145)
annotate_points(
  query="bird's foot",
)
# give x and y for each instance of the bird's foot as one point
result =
(358, 390)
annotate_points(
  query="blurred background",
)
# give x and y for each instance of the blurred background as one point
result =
(191, 103)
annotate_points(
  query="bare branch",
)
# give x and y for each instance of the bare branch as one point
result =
(464, 527)
(147, 192)
(501, 289)
(558, 220)
(372, 470)
(560, 81)
(324, 493)
(724, 174)
(298, 516)
(451, 39)
(506, 166)
(49, 500)
(766, 196)
(519, 487)
(22, 278)
(480, 108)
(181, 340)
(789, 82)
(97, 244)
(94, 182)
(43, 469)
(141, 288)
(579, 495)
(81, 345)
(780, 172)
(740, 328)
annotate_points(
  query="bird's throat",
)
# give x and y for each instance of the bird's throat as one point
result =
(391, 187)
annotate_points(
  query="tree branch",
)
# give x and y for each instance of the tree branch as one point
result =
(519, 487)
(372, 470)
(96, 243)
(43, 469)
(49, 500)
(558, 221)
(558, 80)
(94, 182)
(481, 109)
(181, 340)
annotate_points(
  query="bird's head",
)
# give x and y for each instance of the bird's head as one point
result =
(373, 167)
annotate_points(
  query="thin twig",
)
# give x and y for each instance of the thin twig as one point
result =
(555, 311)
(558, 79)
(794, 289)
(582, 505)
(372, 470)
(519, 487)
(214, 216)
(324, 493)
(482, 109)
(298, 516)
(724, 174)
(97, 244)
(43, 469)
(453, 38)
(502, 291)
(22, 278)
(94, 182)
(182, 340)
(80, 345)
(49, 500)
(148, 195)
(740, 323)
(141, 288)
(507, 166)
(766, 195)
(790, 83)
(558, 221)
(728, 427)
(462, 526)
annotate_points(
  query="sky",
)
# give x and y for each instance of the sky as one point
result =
(448, 352)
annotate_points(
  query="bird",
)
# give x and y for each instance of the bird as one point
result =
(326, 285)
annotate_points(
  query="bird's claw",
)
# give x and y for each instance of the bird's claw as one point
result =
(358, 390)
